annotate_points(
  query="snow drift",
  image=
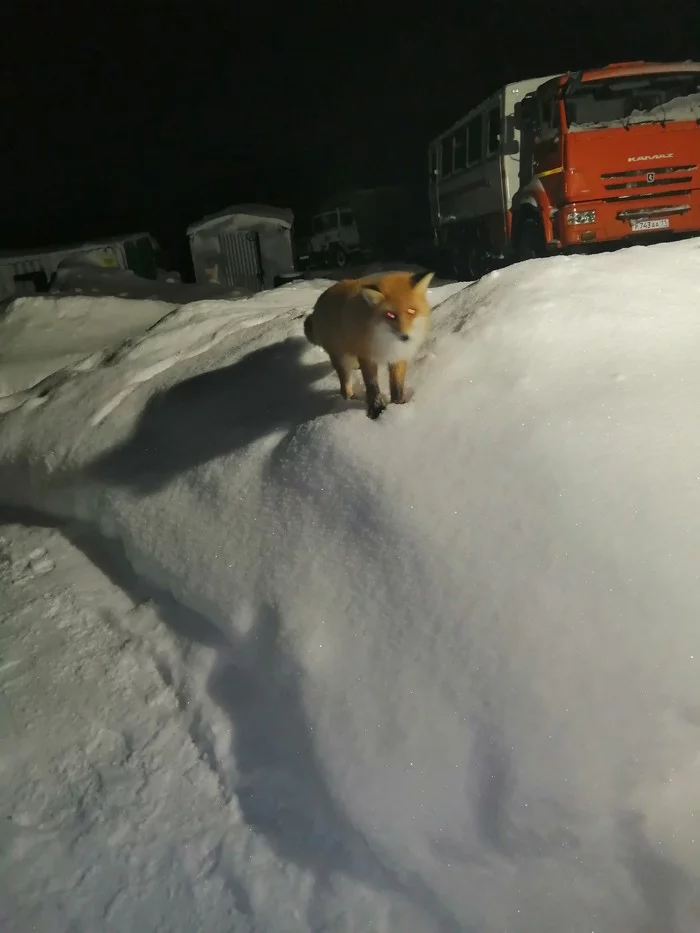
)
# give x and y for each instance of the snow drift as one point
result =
(44, 334)
(461, 644)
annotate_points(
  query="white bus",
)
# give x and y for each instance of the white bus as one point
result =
(474, 169)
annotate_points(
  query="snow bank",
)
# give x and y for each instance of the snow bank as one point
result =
(40, 335)
(462, 641)
(83, 279)
(107, 801)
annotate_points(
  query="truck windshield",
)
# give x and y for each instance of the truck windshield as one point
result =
(650, 98)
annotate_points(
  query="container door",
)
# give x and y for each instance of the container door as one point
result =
(241, 260)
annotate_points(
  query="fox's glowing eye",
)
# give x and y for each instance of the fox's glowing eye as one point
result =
(391, 315)
(411, 310)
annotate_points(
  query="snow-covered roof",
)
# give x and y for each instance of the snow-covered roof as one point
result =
(244, 215)
(96, 243)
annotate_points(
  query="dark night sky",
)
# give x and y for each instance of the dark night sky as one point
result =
(122, 116)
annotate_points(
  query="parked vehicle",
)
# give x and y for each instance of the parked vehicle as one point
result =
(600, 156)
(365, 224)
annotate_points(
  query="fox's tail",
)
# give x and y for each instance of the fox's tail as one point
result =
(309, 328)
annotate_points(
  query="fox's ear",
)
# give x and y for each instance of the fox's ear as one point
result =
(372, 294)
(421, 280)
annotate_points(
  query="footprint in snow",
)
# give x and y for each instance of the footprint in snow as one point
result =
(37, 564)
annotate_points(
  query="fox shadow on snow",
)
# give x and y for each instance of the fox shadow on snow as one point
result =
(218, 412)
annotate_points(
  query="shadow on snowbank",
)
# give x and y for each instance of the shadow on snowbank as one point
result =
(216, 413)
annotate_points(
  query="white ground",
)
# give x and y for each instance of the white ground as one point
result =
(282, 668)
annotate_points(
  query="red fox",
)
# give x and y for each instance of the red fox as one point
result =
(363, 323)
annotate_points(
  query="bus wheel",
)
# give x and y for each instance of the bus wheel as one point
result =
(477, 261)
(459, 263)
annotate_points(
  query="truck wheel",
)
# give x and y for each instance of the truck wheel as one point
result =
(340, 257)
(530, 242)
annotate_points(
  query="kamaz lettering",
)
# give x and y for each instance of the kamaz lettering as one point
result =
(665, 155)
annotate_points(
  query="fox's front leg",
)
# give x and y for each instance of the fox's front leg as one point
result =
(397, 378)
(376, 403)
(343, 368)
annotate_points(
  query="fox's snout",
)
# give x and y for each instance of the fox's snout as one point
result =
(399, 325)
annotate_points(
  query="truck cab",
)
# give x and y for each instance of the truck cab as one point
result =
(334, 236)
(609, 154)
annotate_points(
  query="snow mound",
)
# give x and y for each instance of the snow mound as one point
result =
(461, 643)
(40, 335)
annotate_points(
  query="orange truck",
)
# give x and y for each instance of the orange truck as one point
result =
(604, 156)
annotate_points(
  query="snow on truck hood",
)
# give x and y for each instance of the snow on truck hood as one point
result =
(476, 618)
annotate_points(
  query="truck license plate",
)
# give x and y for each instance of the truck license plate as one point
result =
(660, 224)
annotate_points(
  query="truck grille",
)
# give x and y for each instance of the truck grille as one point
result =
(636, 185)
(638, 196)
(656, 183)
(666, 170)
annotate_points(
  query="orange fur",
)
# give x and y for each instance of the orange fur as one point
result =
(372, 321)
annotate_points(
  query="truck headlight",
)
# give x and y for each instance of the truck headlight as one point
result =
(580, 217)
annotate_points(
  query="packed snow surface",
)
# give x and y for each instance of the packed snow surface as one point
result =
(283, 668)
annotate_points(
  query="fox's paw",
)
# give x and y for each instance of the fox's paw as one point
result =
(403, 397)
(376, 406)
